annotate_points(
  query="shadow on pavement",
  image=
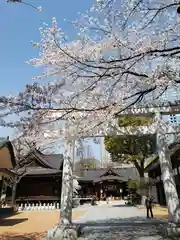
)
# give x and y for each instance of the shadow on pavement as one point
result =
(3, 216)
(7, 212)
(11, 222)
(133, 228)
(122, 222)
(122, 205)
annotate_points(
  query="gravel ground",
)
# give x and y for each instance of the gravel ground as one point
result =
(118, 222)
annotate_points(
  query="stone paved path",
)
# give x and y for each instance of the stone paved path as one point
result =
(118, 222)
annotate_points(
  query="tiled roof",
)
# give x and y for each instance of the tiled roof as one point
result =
(104, 178)
(41, 171)
(5, 143)
(124, 174)
(47, 164)
(52, 161)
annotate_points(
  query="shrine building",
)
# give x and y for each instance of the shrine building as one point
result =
(43, 178)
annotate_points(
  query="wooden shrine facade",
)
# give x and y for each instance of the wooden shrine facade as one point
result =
(42, 179)
(106, 182)
(154, 173)
(7, 162)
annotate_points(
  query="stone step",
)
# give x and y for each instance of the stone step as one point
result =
(120, 232)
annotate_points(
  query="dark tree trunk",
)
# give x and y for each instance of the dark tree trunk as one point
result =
(13, 200)
(1, 185)
(1, 191)
(140, 169)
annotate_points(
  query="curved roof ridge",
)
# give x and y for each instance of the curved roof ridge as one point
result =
(41, 158)
(38, 156)
(6, 143)
(52, 161)
(109, 169)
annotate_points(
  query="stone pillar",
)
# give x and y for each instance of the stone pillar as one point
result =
(172, 199)
(67, 184)
(65, 229)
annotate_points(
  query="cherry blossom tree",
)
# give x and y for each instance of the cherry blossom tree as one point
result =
(122, 51)
(22, 145)
(126, 54)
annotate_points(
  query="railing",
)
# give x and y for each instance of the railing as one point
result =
(35, 198)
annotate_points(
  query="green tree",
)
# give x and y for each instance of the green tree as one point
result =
(130, 148)
(134, 149)
(132, 184)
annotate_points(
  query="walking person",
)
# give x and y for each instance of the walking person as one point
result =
(105, 196)
(107, 199)
(93, 201)
(148, 203)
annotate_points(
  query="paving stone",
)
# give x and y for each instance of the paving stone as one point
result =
(118, 222)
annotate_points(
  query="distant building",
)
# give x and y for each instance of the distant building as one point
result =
(171, 95)
(173, 118)
(104, 155)
(107, 182)
(83, 150)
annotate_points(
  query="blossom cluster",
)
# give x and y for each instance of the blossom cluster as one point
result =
(125, 54)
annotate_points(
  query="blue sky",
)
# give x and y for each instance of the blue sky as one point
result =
(19, 25)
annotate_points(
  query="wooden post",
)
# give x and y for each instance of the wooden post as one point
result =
(96, 195)
(96, 191)
(101, 192)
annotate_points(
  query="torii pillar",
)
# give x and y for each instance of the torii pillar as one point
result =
(172, 199)
(65, 228)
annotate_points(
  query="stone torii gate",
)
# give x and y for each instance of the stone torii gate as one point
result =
(161, 130)
(158, 127)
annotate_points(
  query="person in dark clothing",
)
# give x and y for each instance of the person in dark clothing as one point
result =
(93, 201)
(148, 203)
(105, 196)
